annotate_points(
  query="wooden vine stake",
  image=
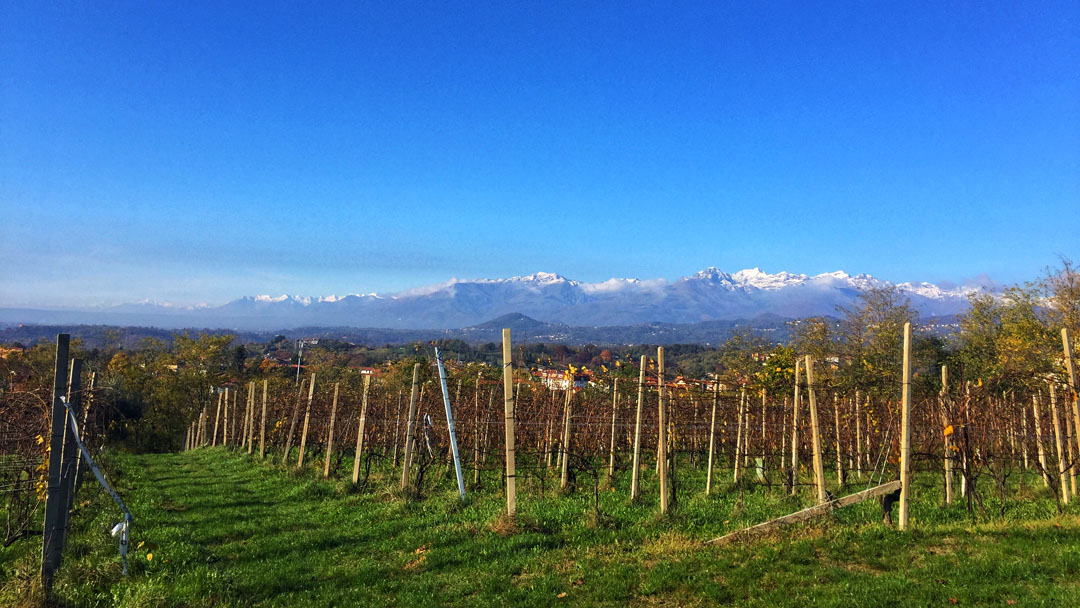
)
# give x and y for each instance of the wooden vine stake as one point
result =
(1060, 445)
(795, 435)
(1067, 348)
(410, 426)
(293, 420)
(508, 410)
(307, 420)
(225, 420)
(330, 433)
(819, 469)
(905, 431)
(614, 413)
(217, 418)
(662, 430)
(1039, 449)
(637, 429)
(262, 424)
(568, 410)
(712, 438)
(360, 432)
(739, 434)
(946, 432)
(251, 417)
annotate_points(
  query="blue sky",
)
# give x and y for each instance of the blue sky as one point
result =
(200, 152)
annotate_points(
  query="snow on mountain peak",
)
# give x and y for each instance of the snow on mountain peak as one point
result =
(755, 277)
(542, 278)
(713, 274)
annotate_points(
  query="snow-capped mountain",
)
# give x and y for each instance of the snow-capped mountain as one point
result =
(709, 295)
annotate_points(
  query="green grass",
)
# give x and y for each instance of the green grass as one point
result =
(224, 530)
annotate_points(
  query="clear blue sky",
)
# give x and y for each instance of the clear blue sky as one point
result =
(204, 151)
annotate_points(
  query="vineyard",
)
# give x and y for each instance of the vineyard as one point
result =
(619, 480)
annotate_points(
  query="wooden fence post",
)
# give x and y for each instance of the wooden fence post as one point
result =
(52, 535)
(360, 432)
(508, 407)
(662, 431)
(262, 424)
(307, 419)
(410, 427)
(637, 429)
(815, 431)
(712, 438)
(905, 431)
(330, 433)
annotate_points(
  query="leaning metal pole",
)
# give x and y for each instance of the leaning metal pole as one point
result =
(450, 423)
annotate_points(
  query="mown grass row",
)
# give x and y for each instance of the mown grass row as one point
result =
(215, 528)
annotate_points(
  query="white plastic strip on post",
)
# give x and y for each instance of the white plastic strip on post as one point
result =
(450, 423)
(122, 529)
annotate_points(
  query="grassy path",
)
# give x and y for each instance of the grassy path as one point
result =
(220, 530)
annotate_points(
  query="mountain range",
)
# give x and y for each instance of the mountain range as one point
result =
(707, 296)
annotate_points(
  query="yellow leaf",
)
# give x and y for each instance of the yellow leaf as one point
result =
(948, 430)
(561, 595)
(149, 556)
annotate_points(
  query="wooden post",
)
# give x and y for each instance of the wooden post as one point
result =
(262, 425)
(564, 456)
(1060, 446)
(508, 408)
(330, 432)
(795, 435)
(1067, 348)
(1039, 441)
(637, 430)
(805, 514)
(67, 463)
(360, 432)
(943, 405)
(52, 535)
(292, 424)
(614, 414)
(410, 426)
(397, 428)
(548, 439)
(840, 480)
(243, 422)
(217, 418)
(905, 431)
(662, 431)
(819, 469)
(739, 433)
(251, 419)
(712, 438)
(307, 420)
(858, 435)
(226, 418)
(476, 433)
